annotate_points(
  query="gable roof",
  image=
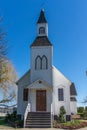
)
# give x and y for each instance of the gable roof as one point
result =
(73, 89)
(41, 41)
(72, 86)
(39, 84)
(42, 18)
(25, 78)
(60, 74)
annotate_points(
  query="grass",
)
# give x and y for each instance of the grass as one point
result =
(2, 120)
(72, 123)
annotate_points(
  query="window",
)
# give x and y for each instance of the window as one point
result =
(73, 99)
(41, 30)
(25, 94)
(44, 62)
(60, 94)
(38, 63)
(41, 63)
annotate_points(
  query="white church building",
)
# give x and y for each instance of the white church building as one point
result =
(44, 89)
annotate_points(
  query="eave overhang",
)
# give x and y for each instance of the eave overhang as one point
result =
(40, 84)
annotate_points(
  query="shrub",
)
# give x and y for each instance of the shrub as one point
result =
(14, 120)
(85, 108)
(56, 117)
(55, 123)
(62, 114)
(19, 123)
(80, 109)
(81, 115)
(11, 117)
(85, 115)
(74, 124)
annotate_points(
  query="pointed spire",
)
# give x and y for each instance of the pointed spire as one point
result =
(42, 18)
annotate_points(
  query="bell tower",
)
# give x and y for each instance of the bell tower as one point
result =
(42, 25)
(41, 52)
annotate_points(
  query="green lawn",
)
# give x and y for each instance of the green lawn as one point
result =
(2, 120)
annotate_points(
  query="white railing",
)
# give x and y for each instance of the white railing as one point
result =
(26, 113)
(52, 115)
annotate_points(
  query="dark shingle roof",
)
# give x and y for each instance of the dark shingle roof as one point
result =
(41, 41)
(73, 89)
(42, 18)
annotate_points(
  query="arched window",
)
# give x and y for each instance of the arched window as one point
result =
(41, 30)
(38, 63)
(44, 62)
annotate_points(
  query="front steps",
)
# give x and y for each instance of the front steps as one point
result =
(38, 120)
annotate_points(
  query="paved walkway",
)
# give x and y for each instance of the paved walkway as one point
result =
(10, 128)
(52, 129)
(83, 128)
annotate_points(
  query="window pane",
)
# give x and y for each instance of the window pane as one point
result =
(44, 62)
(41, 30)
(60, 94)
(38, 63)
(25, 94)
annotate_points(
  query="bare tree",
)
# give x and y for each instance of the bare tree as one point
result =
(8, 75)
(85, 100)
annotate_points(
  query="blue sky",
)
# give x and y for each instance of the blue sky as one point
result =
(67, 20)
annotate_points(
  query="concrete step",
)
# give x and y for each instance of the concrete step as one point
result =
(38, 120)
(36, 117)
(38, 126)
(38, 114)
(37, 123)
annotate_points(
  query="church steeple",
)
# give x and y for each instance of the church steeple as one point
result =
(42, 25)
(41, 52)
(42, 32)
(42, 18)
